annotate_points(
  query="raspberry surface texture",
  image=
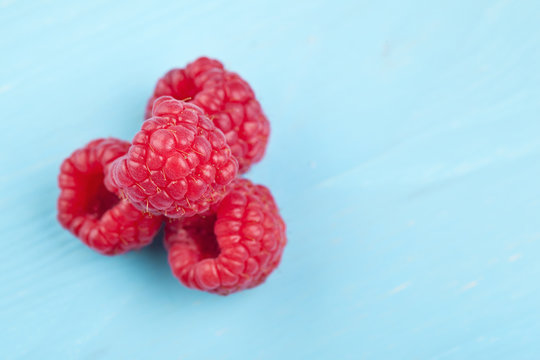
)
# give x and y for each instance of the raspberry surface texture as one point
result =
(227, 99)
(178, 165)
(94, 214)
(235, 246)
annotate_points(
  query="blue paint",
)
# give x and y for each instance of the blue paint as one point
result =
(404, 156)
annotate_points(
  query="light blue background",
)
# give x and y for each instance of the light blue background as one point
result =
(404, 157)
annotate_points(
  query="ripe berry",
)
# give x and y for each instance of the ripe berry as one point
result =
(179, 164)
(94, 214)
(227, 99)
(233, 247)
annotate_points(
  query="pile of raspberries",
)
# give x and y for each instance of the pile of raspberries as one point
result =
(203, 129)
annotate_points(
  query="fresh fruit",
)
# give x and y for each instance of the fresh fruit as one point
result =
(235, 246)
(227, 99)
(178, 165)
(95, 214)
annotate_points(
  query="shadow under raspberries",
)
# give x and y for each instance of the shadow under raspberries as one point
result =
(153, 265)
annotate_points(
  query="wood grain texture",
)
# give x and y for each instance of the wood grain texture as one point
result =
(404, 156)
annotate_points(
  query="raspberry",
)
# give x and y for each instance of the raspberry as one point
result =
(233, 247)
(94, 214)
(227, 99)
(179, 163)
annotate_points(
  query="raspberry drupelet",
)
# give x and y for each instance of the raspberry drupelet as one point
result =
(227, 99)
(94, 214)
(235, 246)
(178, 165)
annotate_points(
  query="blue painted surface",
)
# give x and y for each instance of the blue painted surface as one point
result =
(404, 156)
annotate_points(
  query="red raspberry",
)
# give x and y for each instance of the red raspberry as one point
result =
(227, 99)
(94, 214)
(235, 247)
(179, 163)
